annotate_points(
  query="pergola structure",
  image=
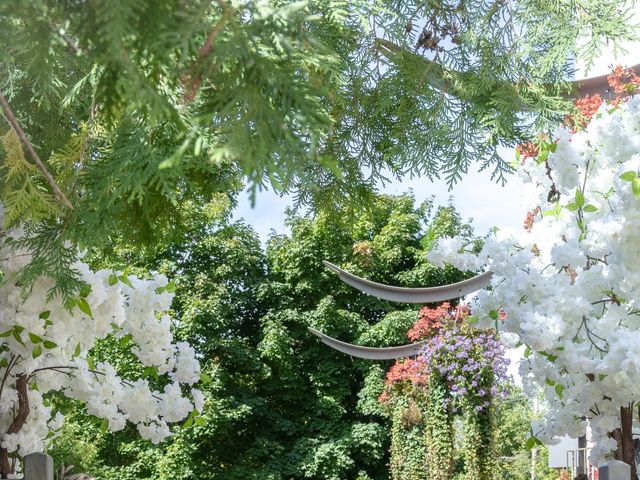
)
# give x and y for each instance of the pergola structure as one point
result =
(398, 294)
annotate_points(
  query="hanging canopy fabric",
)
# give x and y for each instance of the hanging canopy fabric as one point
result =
(370, 353)
(413, 295)
(398, 294)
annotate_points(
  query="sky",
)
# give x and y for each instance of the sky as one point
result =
(476, 197)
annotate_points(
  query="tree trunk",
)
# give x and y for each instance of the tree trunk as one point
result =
(624, 436)
(18, 422)
(534, 462)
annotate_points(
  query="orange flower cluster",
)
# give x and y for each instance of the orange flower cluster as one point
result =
(409, 370)
(530, 219)
(588, 106)
(429, 322)
(624, 81)
(527, 150)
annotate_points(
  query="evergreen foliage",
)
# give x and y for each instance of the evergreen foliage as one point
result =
(138, 107)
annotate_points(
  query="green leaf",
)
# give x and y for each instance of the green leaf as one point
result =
(543, 156)
(549, 382)
(49, 344)
(527, 352)
(34, 338)
(635, 187)
(124, 279)
(70, 303)
(628, 176)
(579, 198)
(8, 333)
(559, 390)
(104, 426)
(493, 314)
(44, 315)
(188, 422)
(85, 290)
(197, 146)
(572, 207)
(553, 147)
(151, 372)
(77, 351)
(531, 442)
(590, 208)
(37, 351)
(17, 336)
(472, 319)
(200, 421)
(84, 306)
(204, 377)
(113, 279)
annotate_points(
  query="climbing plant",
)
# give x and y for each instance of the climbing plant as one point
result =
(459, 374)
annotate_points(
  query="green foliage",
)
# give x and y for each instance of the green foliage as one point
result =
(408, 440)
(141, 108)
(513, 422)
(439, 431)
(479, 446)
(279, 404)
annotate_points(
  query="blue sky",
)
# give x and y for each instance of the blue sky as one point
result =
(476, 196)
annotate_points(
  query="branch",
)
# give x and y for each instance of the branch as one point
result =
(18, 421)
(39, 163)
(204, 51)
(438, 77)
(10, 365)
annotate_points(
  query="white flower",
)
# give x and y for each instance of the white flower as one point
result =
(45, 335)
(571, 286)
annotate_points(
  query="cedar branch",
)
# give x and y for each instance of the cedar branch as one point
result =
(438, 76)
(36, 158)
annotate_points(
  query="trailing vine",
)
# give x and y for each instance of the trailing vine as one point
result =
(408, 439)
(439, 431)
(458, 374)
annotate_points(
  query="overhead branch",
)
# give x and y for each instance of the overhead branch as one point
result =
(8, 113)
(440, 77)
(192, 85)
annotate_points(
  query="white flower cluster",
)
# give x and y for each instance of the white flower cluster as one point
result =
(570, 284)
(48, 344)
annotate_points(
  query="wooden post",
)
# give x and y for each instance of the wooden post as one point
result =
(38, 466)
(615, 470)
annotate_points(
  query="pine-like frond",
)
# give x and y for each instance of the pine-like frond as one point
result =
(25, 197)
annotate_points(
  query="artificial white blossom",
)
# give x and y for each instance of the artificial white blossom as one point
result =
(48, 344)
(570, 284)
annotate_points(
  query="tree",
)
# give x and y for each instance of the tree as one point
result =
(47, 348)
(128, 109)
(567, 282)
(279, 403)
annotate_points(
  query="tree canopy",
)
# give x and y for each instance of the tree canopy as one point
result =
(120, 113)
(279, 404)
